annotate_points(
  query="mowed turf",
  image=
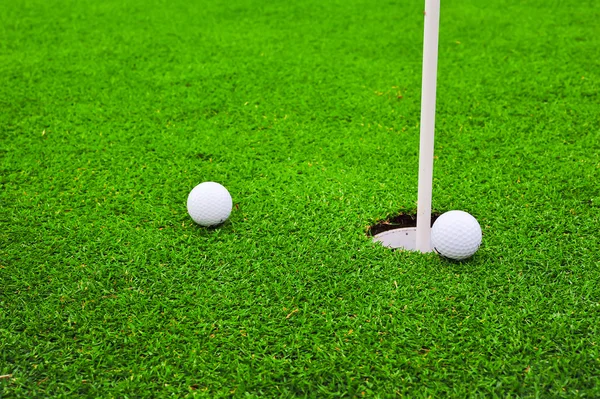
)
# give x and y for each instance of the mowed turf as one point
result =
(308, 112)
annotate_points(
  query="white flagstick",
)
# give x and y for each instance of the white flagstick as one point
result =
(430, 58)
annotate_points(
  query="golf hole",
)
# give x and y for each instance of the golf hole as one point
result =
(398, 221)
(398, 231)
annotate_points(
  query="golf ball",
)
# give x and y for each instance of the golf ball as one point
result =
(209, 204)
(456, 235)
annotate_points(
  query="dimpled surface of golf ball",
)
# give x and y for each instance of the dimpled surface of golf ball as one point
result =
(209, 204)
(456, 235)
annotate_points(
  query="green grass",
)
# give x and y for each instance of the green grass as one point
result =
(308, 112)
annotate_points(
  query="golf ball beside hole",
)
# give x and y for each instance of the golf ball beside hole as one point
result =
(456, 235)
(209, 204)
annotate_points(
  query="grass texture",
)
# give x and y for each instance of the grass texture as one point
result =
(308, 112)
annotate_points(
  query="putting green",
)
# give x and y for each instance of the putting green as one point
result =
(308, 112)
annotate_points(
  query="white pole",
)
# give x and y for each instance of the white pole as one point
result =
(430, 58)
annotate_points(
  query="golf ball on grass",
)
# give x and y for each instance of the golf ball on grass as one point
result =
(209, 204)
(456, 235)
